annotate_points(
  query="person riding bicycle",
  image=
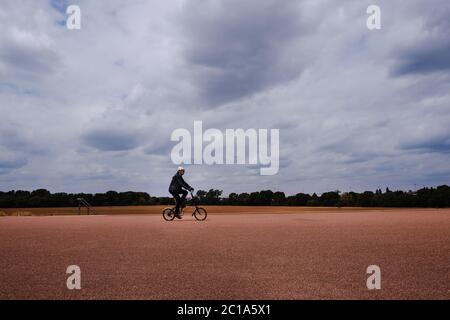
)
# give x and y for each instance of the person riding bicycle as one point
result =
(176, 188)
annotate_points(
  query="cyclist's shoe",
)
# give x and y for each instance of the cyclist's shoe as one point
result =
(178, 216)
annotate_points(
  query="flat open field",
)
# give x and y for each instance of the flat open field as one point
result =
(285, 253)
(158, 209)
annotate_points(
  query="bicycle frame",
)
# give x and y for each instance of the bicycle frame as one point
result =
(194, 203)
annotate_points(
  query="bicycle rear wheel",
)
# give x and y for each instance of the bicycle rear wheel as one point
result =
(168, 214)
(200, 214)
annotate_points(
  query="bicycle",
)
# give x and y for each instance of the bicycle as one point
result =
(199, 213)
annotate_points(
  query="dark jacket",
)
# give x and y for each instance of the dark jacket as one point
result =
(177, 183)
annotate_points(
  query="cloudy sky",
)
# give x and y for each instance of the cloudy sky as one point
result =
(92, 110)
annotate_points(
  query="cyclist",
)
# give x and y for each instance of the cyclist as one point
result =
(176, 188)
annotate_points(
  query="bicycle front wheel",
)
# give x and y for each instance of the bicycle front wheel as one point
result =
(168, 214)
(200, 214)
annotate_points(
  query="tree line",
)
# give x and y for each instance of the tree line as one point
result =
(425, 197)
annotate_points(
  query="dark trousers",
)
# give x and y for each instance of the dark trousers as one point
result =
(179, 200)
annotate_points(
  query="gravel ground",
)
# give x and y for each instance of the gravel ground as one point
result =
(304, 255)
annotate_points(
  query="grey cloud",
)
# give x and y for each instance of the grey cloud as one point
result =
(424, 60)
(159, 149)
(28, 59)
(430, 53)
(12, 164)
(356, 157)
(440, 144)
(6, 87)
(26, 55)
(60, 5)
(235, 47)
(111, 139)
(14, 138)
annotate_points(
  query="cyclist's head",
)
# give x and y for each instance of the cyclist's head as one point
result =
(180, 170)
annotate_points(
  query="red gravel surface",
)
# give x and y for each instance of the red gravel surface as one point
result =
(304, 255)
